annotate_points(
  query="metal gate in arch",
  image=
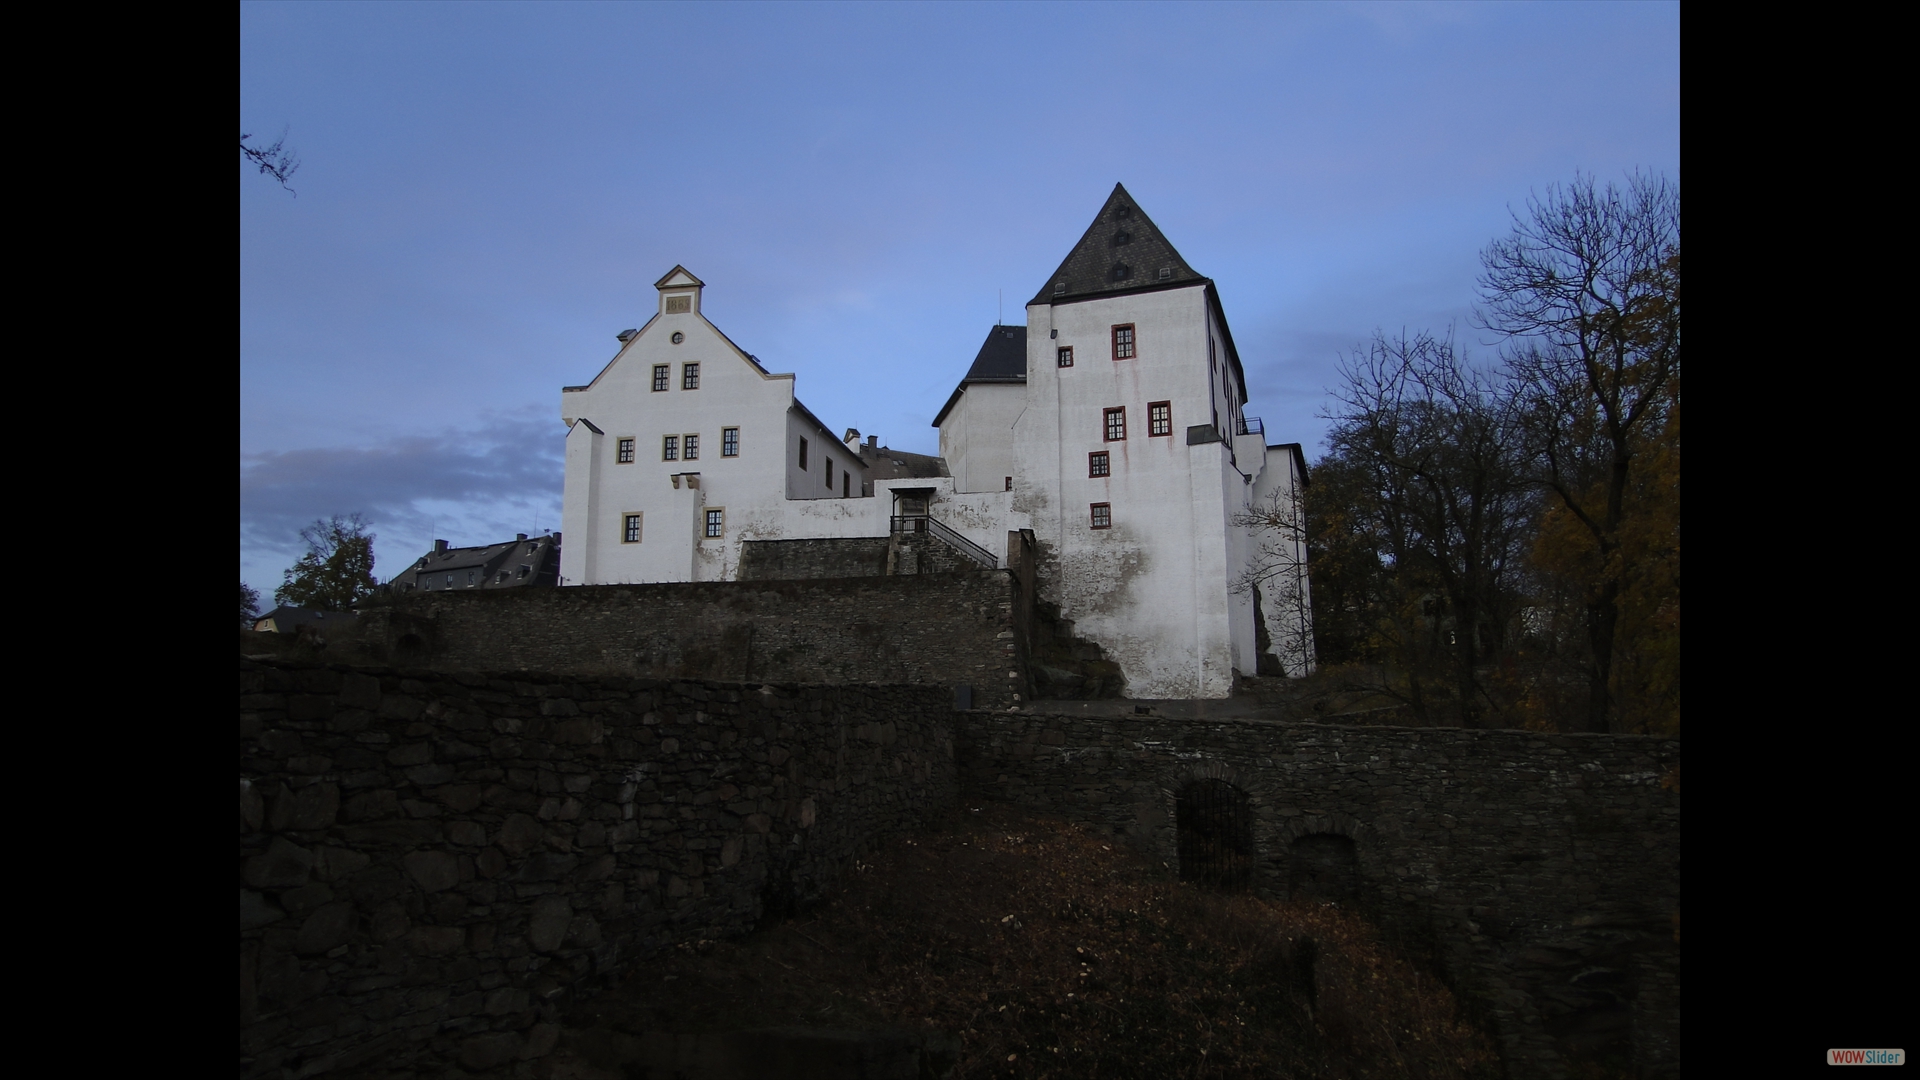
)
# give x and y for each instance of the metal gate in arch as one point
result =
(1215, 834)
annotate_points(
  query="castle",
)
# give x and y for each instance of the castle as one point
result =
(1110, 432)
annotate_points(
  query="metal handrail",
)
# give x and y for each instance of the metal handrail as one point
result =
(1250, 425)
(925, 523)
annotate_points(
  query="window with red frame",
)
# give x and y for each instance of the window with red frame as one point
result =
(1117, 424)
(1159, 418)
(1103, 515)
(1123, 342)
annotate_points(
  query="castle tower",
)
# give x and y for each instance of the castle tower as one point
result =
(1136, 465)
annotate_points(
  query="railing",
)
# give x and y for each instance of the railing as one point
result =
(1249, 425)
(922, 524)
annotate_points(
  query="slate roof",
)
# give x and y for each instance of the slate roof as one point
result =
(495, 566)
(1002, 359)
(287, 619)
(1122, 251)
(887, 463)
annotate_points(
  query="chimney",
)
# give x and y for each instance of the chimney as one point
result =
(556, 536)
(439, 547)
(873, 440)
(625, 336)
(520, 536)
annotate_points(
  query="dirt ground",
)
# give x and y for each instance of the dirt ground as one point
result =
(1022, 946)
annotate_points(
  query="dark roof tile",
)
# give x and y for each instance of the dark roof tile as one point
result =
(1122, 251)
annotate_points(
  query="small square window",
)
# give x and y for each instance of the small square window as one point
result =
(1097, 464)
(1159, 418)
(660, 376)
(693, 447)
(1103, 515)
(716, 522)
(629, 533)
(670, 448)
(1009, 483)
(730, 442)
(803, 453)
(624, 453)
(690, 376)
(679, 305)
(1065, 356)
(1117, 424)
(1123, 342)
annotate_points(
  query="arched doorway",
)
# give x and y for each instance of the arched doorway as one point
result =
(1215, 833)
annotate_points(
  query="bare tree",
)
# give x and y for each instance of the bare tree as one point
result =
(275, 160)
(1586, 290)
(1436, 446)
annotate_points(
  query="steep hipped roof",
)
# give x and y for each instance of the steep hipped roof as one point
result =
(1122, 251)
(1001, 359)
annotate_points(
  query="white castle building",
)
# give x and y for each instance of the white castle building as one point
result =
(1112, 426)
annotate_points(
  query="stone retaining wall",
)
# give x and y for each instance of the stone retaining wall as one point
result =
(429, 861)
(946, 629)
(1541, 872)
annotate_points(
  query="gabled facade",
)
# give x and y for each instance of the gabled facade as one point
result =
(682, 444)
(1112, 426)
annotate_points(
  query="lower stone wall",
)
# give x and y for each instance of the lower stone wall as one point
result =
(946, 629)
(1540, 872)
(791, 560)
(429, 861)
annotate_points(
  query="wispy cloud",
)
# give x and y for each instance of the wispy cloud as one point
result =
(501, 476)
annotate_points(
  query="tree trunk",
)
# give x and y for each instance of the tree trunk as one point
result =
(1603, 615)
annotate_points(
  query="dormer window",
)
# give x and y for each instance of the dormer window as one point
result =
(1166, 272)
(1059, 287)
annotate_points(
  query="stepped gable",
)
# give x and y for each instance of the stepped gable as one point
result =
(1002, 359)
(1122, 251)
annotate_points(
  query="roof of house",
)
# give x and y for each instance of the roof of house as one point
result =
(1122, 251)
(540, 554)
(286, 618)
(1002, 359)
(887, 463)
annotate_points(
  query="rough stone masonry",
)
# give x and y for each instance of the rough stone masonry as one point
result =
(429, 861)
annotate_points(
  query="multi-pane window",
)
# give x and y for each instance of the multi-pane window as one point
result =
(829, 474)
(1123, 342)
(1117, 424)
(1097, 464)
(679, 305)
(689, 376)
(660, 376)
(624, 451)
(670, 448)
(693, 447)
(730, 442)
(716, 522)
(629, 530)
(1064, 356)
(1103, 515)
(1159, 418)
(1009, 483)
(803, 453)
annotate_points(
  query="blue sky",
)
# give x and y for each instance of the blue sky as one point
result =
(488, 191)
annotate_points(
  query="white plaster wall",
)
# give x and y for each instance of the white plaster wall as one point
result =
(977, 437)
(1153, 588)
(621, 401)
(1286, 605)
